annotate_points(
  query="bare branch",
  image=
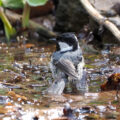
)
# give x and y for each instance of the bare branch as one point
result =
(101, 19)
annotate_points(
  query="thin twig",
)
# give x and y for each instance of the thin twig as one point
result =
(101, 19)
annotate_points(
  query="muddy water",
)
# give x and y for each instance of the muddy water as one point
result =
(25, 74)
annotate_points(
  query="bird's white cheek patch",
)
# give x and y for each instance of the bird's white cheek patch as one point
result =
(64, 46)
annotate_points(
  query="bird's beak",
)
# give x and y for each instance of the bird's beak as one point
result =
(53, 40)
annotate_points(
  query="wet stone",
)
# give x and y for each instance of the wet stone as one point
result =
(4, 99)
(86, 110)
(111, 115)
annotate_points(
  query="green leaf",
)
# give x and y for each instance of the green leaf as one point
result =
(9, 30)
(36, 2)
(25, 16)
(0, 3)
(13, 4)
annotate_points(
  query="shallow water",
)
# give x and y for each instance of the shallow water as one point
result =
(25, 74)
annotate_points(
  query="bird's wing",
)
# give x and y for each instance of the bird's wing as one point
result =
(67, 67)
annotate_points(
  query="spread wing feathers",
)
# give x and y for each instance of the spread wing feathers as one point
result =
(67, 67)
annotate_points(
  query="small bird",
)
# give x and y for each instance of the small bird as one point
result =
(67, 64)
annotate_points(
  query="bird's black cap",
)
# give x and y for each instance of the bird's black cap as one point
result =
(69, 38)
